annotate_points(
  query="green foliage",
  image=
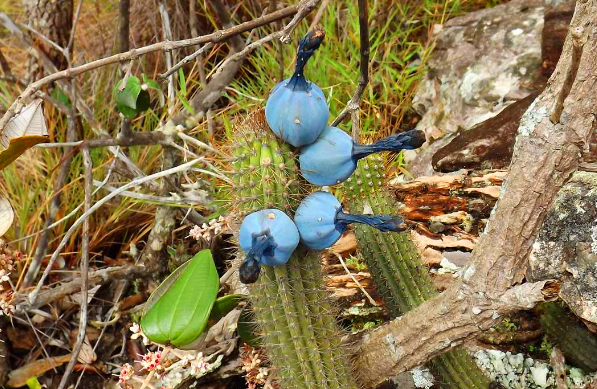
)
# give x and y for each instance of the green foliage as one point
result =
(178, 310)
(507, 323)
(356, 262)
(132, 99)
(546, 346)
(222, 306)
(33, 383)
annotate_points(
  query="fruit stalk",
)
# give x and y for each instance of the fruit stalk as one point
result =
(398, 272)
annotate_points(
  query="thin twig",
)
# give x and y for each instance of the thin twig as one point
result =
(44, 38)
(167, 31)
(123, 46)
(319, 14)
(161, 200)
(185, 61)
(354, 103)
(371, 300)
(87, 163)
(55, 202)
(95, 207)
(71, 39)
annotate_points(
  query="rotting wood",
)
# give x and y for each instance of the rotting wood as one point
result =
(544, 158)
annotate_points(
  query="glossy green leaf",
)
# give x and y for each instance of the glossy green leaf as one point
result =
(178, 311)
(223, 306)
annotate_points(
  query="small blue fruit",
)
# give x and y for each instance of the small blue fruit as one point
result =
(268, 237)
(321, 221)
(296, 110)
(334, 155)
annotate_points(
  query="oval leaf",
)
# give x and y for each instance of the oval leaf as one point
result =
(18, 146)
(223, 306)
(180, 314)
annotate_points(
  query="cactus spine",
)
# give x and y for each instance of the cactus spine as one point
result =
(578, 344)
(397, 270)
(291, 307)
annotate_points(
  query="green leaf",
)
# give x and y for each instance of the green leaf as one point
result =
(128, 96)
(33, 383)
(151, 84)
(132, 99)
(246, 328)
(177, 312)
(223, 306)
(182, 82)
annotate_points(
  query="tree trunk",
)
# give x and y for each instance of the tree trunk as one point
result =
(54, 20)
(552, 137)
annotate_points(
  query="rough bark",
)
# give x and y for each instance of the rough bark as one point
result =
(545, 156)
(54, 20)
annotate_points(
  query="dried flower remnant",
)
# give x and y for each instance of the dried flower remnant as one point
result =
(255, 366)
(207, 231)
(138, 333)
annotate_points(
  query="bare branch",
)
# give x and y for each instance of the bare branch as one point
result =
(215, 37)
(355, 101)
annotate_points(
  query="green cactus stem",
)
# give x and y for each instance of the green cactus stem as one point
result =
(291, 307)
(578, 344)
(397, 270)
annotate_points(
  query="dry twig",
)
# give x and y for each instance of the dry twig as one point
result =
(84, 273)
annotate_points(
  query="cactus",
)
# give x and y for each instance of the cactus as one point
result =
(397, 270)
(291, 307)
(578, 344)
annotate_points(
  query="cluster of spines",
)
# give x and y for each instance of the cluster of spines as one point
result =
(292, 309)
(299, 326)
(578, 344)
(264, 169)
(397, 270)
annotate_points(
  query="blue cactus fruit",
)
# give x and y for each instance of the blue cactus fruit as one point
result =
(333, 157)
(321, 221)
(268, 237)
(296, 110)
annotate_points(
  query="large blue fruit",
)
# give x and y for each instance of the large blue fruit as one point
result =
(296, 110)
(321, 221)
(333, 157)
(268, 237)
